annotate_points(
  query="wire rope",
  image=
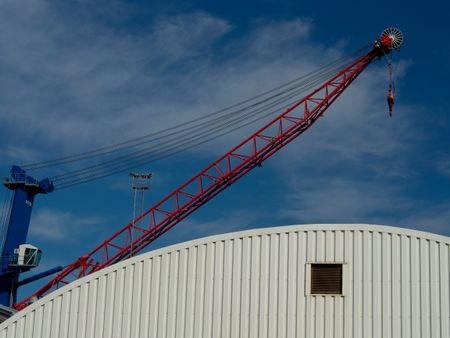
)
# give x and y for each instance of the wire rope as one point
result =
(161, 155)
(184, 136)
(145, 152)
(168, 150)
(132, 142)
(137, 141)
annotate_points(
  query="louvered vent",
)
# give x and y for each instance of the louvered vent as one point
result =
(326, 279)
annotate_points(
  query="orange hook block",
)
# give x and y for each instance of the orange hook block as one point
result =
(390, 100)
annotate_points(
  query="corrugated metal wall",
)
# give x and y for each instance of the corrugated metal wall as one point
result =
(255, 284)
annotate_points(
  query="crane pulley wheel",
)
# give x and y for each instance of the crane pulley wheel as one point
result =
(392, 38)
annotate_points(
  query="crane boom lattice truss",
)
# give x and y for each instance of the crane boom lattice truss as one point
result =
(213, 179)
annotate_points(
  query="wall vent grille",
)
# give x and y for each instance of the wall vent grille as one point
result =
(326, 279)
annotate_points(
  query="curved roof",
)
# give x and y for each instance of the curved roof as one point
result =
(60, 297)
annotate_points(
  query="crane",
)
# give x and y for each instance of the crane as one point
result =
(217, 176)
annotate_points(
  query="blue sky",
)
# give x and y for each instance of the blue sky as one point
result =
(79, 75)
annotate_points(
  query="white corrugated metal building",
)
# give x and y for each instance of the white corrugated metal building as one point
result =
(260, 283)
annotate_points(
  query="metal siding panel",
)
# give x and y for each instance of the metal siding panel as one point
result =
(358, 284)
(273, 286)
(90, 308)
(172, 292)
(200, 291)
(329, 246)
(254, 286)
(181, 293)
(339, 301)
(311, 246)
(377, 284)
(209, 289)
(136, 303)
(302, 256)
(386, 285)
(38, 321)
(415, 289)
(310, 324)
(12, 331)
(434, 291)
(320, 246)
(191, 285)
(425, 288)
(47, 319)
(319, 316)
(348, 288)
(73, 311)
(339, 317)
(20, 327)
(29, 327)
(118, 303)
(405, 286)
(367, 284)
(101, 302)
(237, 287)
(310, 308)
(162, 308)
(339, 246)
(292, 284)
(246, 288)
(329, 301)
(264, 286)
(55, 318)
(64, 321)
(282, 261)
(107, 330)
(147, 300)
(155, 296)
(227, 292)
(218, 289)
(396, 286)
(444, 289)
(328, 316)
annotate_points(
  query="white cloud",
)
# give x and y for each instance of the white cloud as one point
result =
(62, 81)
(75, 84)
(443, 165)
(183, 36)
(55, 225)
(350, 200)
(79, 83)
(431, 218)
(342, 200)
(192, 228)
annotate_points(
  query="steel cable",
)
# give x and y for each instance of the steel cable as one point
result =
(168, 151)
(173, 140)
(137, 141)
(171, 146)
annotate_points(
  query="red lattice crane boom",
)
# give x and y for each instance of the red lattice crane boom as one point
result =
(220, 174)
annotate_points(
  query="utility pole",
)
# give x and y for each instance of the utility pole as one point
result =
(139, 184)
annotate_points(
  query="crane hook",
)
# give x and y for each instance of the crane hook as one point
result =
(390, 94)
(390, 99)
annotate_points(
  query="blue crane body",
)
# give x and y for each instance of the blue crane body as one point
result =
(25, 189)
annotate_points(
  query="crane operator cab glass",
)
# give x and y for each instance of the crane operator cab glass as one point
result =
(26, 255)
